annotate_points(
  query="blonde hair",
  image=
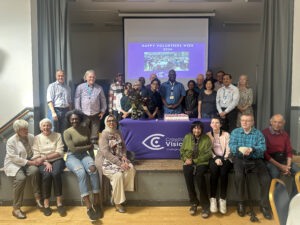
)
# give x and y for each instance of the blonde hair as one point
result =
(247, 81)
(19, 124)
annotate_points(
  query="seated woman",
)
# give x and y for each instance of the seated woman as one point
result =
(81, 163)
(195, 153)
(207, 107)
(112, 161)
(48, 151)
(19, 165)
(219, 165)
(153, 108)
(190, 102)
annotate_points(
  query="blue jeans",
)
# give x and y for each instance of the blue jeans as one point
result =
(79, 164)
(275, 173)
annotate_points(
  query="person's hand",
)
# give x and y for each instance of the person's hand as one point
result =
(48, 167)
(32, 163)
(54, 116)
(222, 114)
(125, 115)
(101, 114)
(248, 151)
(219, 162)
(112, 143)
(188, 162)
(39, 161)
(199, 116)
(285, 169)
(125, 166)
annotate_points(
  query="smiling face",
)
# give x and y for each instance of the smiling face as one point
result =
(197, 131)
(215, 124)
(243, 80)
(91, 78)
(60, 76)
(226, 80)
(46, 128)
(23, 132)
(277, 122)
(111, 122)
(191, 85)
(247, 122)
(74, 120)
(209, 85)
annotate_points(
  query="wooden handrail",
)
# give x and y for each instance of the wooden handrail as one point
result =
(20, 115)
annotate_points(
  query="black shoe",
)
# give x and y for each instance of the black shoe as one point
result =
(99, 211)
(18, 214)
(205, 213)
(266, 212)
(241, 209)
(92, 214)
(47, 211)
(193, 210)
(61, 210)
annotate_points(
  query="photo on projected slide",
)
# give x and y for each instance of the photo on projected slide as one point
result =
(187, 59)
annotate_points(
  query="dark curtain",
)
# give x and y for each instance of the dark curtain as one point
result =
(275, 62)
(53, 45)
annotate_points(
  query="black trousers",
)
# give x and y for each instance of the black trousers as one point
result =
(242, 168)
(216, 172)
(194, 174)
(52, 177)
(229, 123)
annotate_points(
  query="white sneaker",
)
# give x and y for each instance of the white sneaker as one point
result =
(222, 205)
(213, 205)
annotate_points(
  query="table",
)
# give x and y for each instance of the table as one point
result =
(156, 139)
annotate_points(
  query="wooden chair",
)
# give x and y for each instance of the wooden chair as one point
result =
(297, 181)
(279, 201)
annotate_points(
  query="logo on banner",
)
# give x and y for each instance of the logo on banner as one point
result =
(160, 141)
(153, 142)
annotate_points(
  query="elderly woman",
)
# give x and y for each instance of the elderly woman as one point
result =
(112, 161)
(48, 151)
(81, 163)
(195, 153)
(19, 165)
(219, 165)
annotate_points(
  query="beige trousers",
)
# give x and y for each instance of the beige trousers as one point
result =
(121, 182)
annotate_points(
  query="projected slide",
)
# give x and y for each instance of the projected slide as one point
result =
(186, 58)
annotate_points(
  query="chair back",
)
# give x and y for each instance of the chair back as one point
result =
(279, 201)
(297, 181)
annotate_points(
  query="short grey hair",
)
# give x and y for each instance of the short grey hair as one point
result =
(45, 120)
(19, 124)
(87, 73)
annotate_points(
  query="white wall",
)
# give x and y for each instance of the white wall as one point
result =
(15, 58)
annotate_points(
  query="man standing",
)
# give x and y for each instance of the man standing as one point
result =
(115, 94)
(200, 84)
(227, 99)
(279, 150)
(219, 82)
(59, 101)
(247, 145)
(90, 99)
(172, 93)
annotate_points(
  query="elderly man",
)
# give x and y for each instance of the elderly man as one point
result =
(200, 84)
(227, 99)
(247, 145)
(172, 94)
(279, 150)
(59, 101)
(90, 99)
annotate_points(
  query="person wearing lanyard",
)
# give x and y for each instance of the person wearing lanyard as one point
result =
(172, 94)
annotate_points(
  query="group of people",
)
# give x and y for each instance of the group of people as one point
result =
(268, 154)
(41, 158)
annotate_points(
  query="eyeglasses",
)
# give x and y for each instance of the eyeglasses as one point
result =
(111, 121)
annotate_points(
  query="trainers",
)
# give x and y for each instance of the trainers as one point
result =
(92, 214)
(193, 210)
(213, 205)
(205, 213)
(222, 205)
(61, 211)
(47, 211)
(18, 214)
(120, 208)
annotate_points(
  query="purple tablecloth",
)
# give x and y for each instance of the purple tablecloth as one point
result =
(156, 139)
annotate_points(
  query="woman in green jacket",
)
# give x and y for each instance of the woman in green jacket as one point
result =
(195, 153)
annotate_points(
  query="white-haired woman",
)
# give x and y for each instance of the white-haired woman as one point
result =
(48, 151)
(111, 159)
(19, 165)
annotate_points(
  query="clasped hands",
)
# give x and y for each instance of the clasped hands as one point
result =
(245, 150)
(125, 163)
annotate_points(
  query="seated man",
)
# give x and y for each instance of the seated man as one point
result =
(279, 150)
(247, 145)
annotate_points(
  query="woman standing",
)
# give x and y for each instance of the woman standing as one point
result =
(48, 151)
(246, 98)
(111, 159)
(219, 165)
(207, 101)
(190, 102)
(195, 153)
(19, 165)
(81, 163)
(153, 108)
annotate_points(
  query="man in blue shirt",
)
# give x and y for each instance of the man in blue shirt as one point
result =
(172, 93)
(247, 145)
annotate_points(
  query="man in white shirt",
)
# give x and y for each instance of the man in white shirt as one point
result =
(227, 99)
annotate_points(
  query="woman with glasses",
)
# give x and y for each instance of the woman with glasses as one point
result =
(112, 160)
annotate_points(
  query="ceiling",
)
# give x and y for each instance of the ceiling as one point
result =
(103, 15)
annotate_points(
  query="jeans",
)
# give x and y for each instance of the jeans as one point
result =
(275, 173)
(198, 173)
(242, 168)
(52, 177)
(79, 164)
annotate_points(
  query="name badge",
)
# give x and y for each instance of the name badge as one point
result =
(172, 97)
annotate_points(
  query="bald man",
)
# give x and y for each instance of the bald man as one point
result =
(279, 155)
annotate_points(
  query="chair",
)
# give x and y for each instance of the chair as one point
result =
(297, 181)
(279, 201)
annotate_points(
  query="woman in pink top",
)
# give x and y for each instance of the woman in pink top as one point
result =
(219, 165)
